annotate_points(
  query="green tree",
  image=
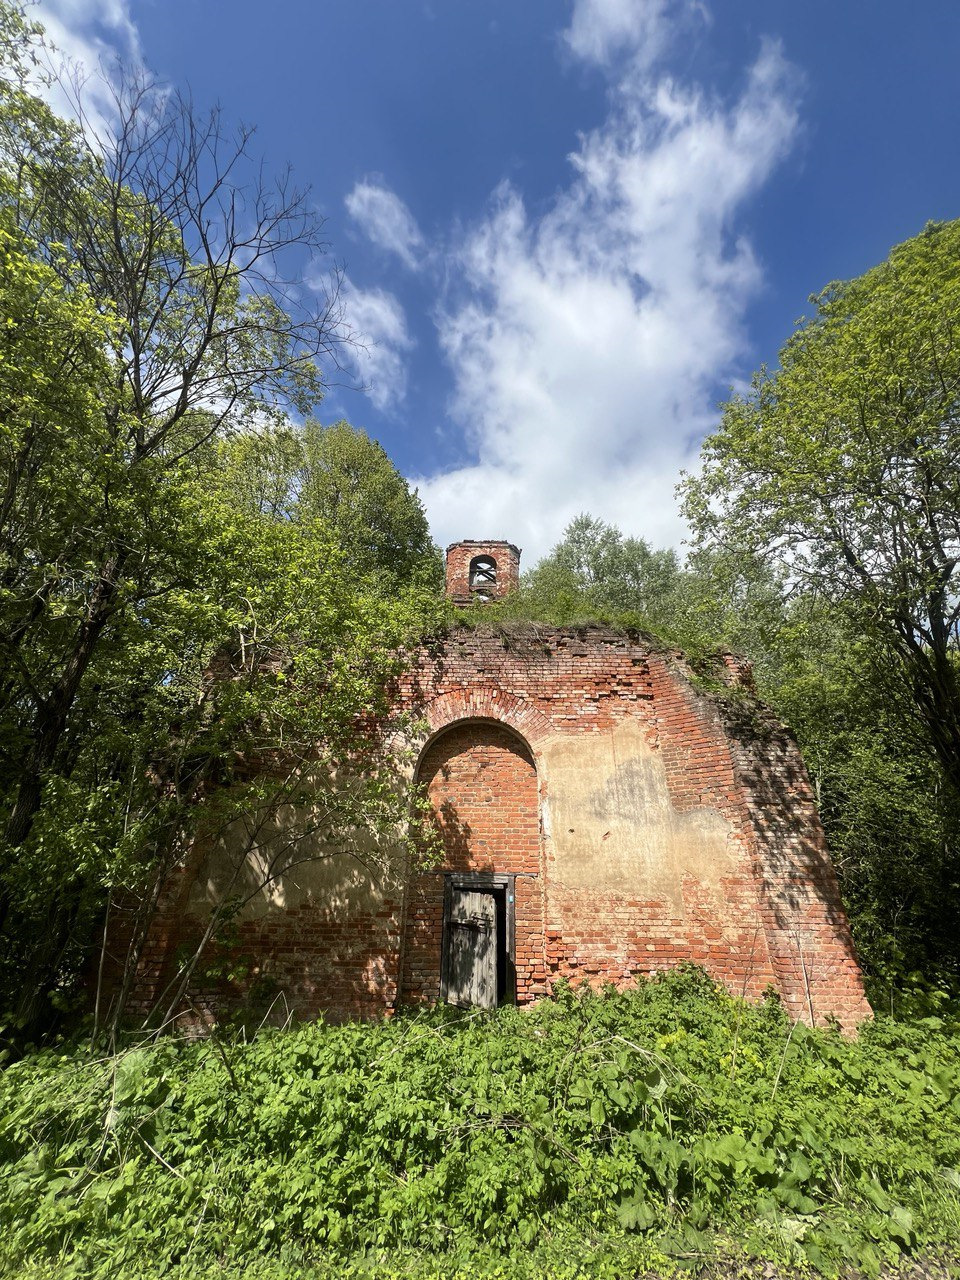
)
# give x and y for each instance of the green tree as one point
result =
(710, 602)
(841, 466)
(158, 638)
(337, 474)
(181, 249)
(891, 822)
(594, 571)
(348, 481)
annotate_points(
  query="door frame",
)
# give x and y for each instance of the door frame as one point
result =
(479, 880)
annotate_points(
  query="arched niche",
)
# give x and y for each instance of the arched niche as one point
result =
(480, 779)
(483, 577)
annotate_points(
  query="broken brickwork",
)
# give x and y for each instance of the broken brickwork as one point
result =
(665, 834)
(640, 821)
(469, 566)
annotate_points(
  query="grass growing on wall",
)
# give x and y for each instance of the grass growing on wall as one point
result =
(590, 1136)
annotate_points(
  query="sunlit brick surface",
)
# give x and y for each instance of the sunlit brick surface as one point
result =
(648, 822)
(482, 784)
(460, 555)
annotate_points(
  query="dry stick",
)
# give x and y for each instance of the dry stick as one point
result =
(270, 1008)
(743, 996)
(176, 1172)
(144, 915)
(783, 1057)
(145, 912)
(103, 944)
(196, 1229)
(100, 969)
(806, 979)
(650, 1053)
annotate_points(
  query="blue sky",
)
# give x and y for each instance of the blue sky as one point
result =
(569, 226)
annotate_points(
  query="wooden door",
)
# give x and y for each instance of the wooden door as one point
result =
(470, 949)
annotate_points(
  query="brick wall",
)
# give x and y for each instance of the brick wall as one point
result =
(753, 895)
(811, 951)
(482, 784)
(324, 939)
(649, 826)
(459, 558)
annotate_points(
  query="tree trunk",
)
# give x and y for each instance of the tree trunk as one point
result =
(53, 713)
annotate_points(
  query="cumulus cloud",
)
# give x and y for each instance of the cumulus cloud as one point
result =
(600, 31)
(87, 39)
(385, 220)
(587, 344)
(88, 30)
(380, 326)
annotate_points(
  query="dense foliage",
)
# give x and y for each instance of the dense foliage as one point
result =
(337, 474)
(590, 1136)
(204, 593)
(842, 466)
(176, 649)
(840, 470)
(892, 820)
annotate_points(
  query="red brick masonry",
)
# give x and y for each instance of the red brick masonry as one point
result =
(648, 822)
(460, 555)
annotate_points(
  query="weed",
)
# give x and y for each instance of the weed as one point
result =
(594, 1135)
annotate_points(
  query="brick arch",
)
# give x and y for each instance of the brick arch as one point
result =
(490, 704)
(480, 777)
(462, 724)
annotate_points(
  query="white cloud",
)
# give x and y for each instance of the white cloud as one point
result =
(587, 345)
(89, 36)
(602, 30)
(378, 322)
(384, 218)
(91, 29)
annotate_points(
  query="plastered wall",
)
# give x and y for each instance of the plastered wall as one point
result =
(647, 826)
(312, 928)
(668, 831)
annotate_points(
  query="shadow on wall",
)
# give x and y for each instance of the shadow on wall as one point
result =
(282, 907)
(426, 677)
(810, 943)
(481, 781)
(453, 834)
(785, 818)
(288, 858)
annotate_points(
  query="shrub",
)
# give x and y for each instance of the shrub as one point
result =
(591, 1135)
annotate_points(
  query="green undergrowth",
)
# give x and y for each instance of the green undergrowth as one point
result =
(518, 622)
(607, 1135)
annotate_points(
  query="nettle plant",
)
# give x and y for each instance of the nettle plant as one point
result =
(591, 1135)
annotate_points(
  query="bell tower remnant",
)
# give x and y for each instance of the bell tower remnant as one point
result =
(480, 570)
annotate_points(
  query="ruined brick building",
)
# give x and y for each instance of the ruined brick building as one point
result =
(602, 817)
